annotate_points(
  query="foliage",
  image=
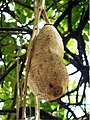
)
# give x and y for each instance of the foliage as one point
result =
(70, 17)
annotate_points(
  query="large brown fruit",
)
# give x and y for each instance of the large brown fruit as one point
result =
(48, 77)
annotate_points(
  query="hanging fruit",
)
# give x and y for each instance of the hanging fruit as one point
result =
(47, 77)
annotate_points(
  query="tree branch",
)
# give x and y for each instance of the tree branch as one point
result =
(24, 5)
(7, 72)
(77, 32)
(73, 4)
(83, 21)
(13, 103)
(43, 113)
(11, 68)
(70, 17)
(63, 105)
(16, 29)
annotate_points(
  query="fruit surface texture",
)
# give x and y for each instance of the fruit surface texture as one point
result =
(48, 77)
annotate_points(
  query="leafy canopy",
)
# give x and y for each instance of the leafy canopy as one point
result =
(70, 17)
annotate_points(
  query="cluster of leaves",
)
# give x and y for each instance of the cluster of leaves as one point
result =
(70, 17)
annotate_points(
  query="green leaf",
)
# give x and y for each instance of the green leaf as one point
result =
(3, 18)
(22, 19)
(72, 45)
(7, 104)
(46, 106)
(3, 96)
(85, 37)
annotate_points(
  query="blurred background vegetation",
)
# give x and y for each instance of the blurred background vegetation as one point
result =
(71, 18)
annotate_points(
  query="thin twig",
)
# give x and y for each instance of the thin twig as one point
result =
(18, 91)
(45, 17)
(37, 108)
(35, 32)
